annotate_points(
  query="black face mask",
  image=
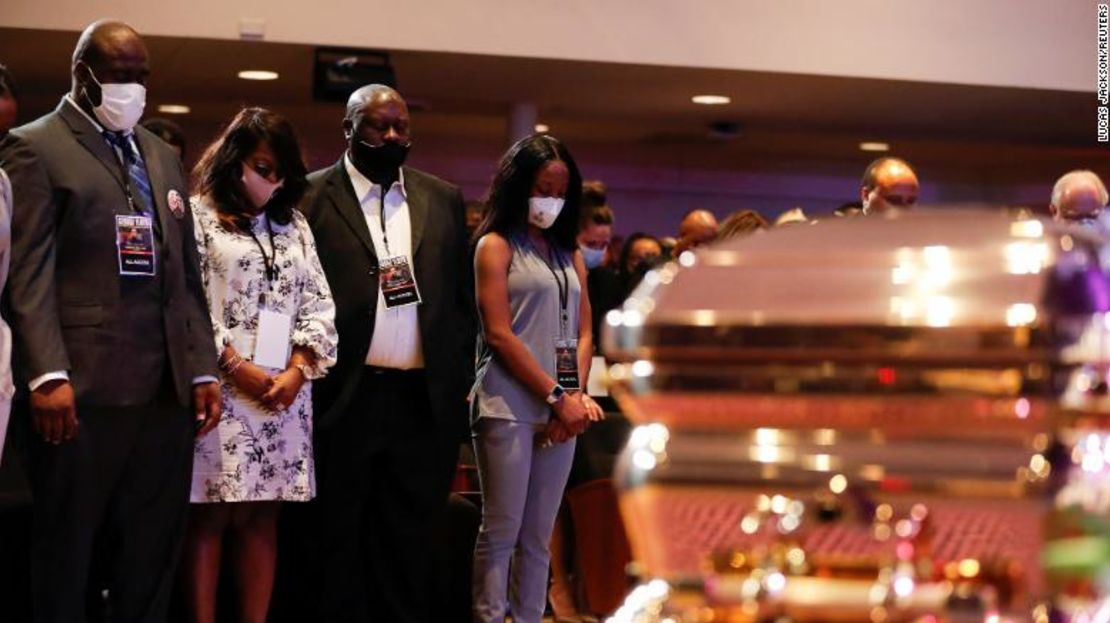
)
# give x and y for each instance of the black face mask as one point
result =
(382, 161)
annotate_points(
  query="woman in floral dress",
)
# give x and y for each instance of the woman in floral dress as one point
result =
(273, 318)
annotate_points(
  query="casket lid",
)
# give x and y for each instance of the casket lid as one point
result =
(929, 269)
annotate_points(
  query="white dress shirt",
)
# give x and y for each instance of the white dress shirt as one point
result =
(396, 341)
(39, 381)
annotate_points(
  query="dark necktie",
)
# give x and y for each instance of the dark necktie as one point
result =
(136, 172)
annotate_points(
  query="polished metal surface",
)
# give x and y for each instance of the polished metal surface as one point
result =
(871, 419)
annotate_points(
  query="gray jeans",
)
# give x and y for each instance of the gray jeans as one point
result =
(522, 487)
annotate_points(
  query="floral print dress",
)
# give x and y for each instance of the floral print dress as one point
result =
(254, 453)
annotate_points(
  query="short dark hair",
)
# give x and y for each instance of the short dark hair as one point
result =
(507, 205)
(221, 167)
(167, 131)
(7, 83)
(871, 173)
(626, 250)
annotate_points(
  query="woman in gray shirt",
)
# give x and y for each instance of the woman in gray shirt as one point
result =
(533, 359)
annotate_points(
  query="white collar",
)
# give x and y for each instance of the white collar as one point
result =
(362, 184)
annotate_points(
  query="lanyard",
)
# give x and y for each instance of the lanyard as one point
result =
(564, 283)
(385, 236)
(125, 153)
(270, 261)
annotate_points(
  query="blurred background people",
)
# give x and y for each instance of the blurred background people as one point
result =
(613, 251)
(596, 227)
(793, 216)
(594, 195)
(609, 286)
(641, 253)
(474, 212)
(698, 227)
(1078, 196)
(667, 243)
(848, 209)
(535, 350)
(741, 223)
(888, 183)
(595, 235)
(168, 131)
(266, 292)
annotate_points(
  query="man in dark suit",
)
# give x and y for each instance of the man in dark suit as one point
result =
(392, 412)
(113, 340)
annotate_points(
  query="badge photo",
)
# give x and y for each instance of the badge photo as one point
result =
(566, 363)
(398, 284)
(176, 203)
(135, 245)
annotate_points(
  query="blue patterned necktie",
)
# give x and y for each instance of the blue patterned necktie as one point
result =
(136, 171)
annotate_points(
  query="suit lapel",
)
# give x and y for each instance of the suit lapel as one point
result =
(90, 138)
(417, 199)
(342, 195)
(155, 174)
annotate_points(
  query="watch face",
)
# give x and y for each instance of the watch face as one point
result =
(555, 395)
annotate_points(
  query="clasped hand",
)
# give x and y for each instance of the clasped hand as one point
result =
(573, 414)
(276, 392)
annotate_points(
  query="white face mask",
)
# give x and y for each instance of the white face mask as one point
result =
(542, 211)
(592, 257)
(259, 189)
(121, 105)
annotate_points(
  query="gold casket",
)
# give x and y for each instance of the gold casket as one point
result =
(870, 419)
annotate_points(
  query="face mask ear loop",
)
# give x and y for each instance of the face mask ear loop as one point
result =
(85, 87)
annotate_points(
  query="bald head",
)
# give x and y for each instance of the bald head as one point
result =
(107, 52)
(376, 127)
(888, 183)
(698, 227)
(1078, 196)
(376, 113)
(369, 95)
(106, 40)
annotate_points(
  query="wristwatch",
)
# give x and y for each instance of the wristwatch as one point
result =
(556, 394)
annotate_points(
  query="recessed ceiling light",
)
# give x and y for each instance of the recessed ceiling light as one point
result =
(174, 109)
(873, 146)
(258, 74)
(711, 100)
(542, 128)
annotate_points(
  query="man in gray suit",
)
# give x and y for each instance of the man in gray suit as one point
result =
(112, 335)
